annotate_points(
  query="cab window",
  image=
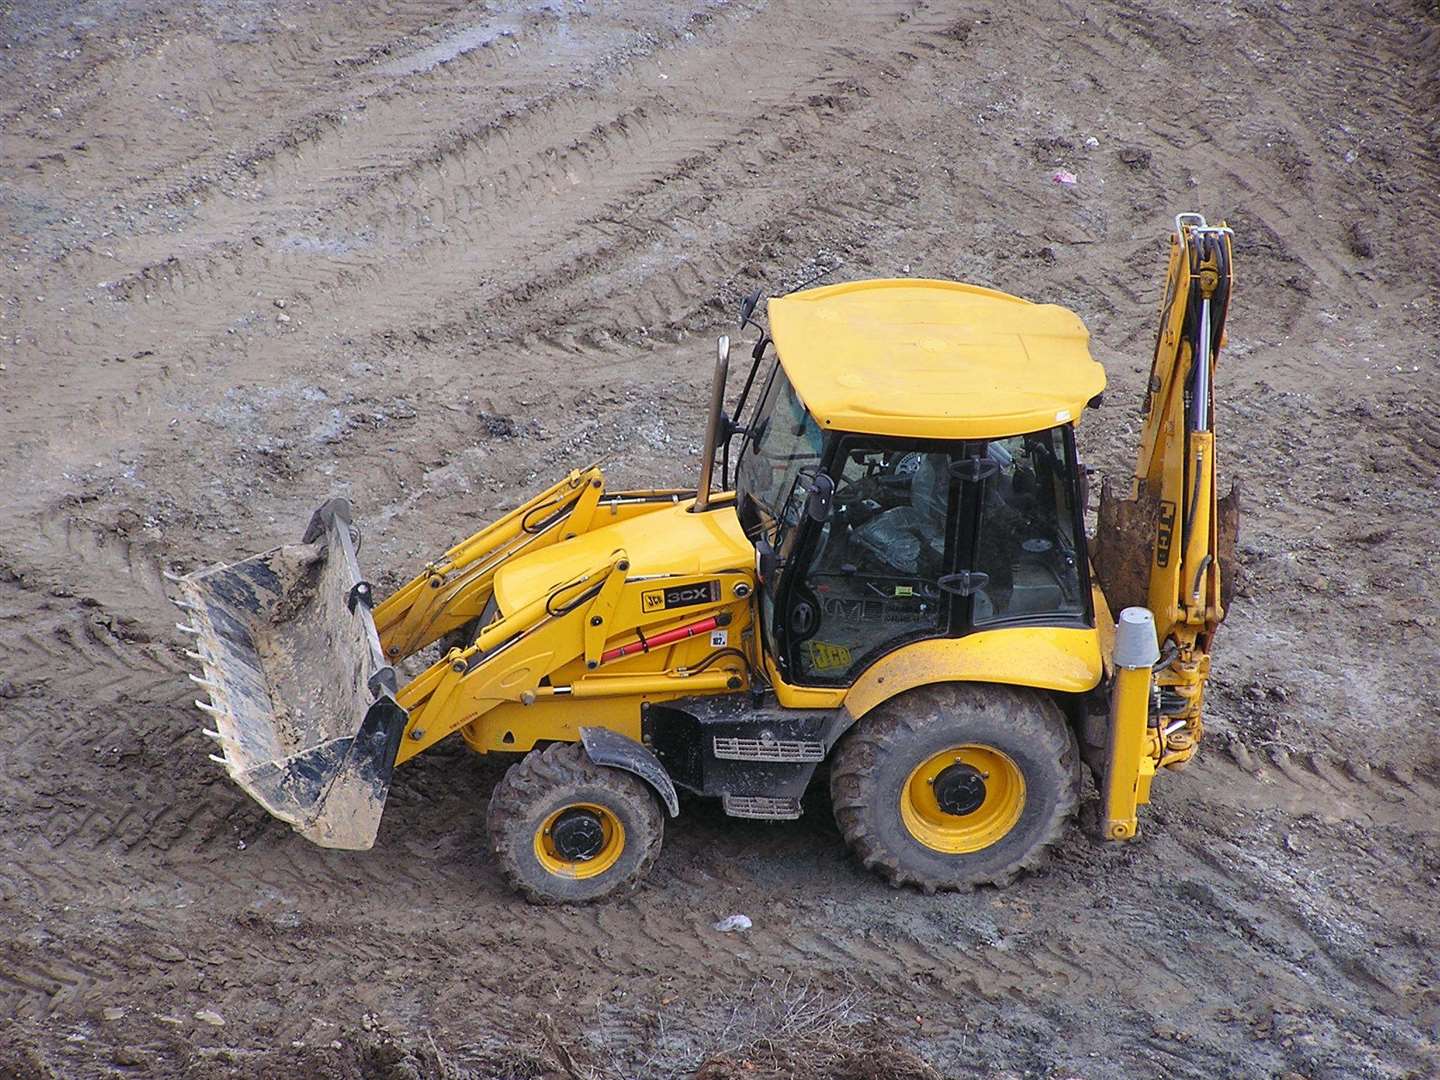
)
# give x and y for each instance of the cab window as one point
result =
(1025, 541)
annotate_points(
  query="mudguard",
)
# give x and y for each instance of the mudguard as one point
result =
(606, 747)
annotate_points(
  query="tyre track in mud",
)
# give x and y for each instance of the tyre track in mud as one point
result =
(254, 99)
(1316, 783)
(610, 154)
(374, 146)
(117, 685)
(345, 159)
(911, 955)
(916, 964)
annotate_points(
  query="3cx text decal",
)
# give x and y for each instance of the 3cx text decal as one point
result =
(678, 596)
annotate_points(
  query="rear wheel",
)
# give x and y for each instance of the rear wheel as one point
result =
(565, 830)
(955, 785)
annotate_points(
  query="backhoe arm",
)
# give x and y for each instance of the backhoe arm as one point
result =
(1166, 547)
(1177, 446)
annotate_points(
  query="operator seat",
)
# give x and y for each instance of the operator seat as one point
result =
(906, 538)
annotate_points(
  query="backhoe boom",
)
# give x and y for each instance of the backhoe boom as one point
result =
(1174, 524)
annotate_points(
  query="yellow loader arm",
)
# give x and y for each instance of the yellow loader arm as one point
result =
(1167, 547)
(454, 589)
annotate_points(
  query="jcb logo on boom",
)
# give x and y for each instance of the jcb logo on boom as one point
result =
(678, 596)
(1165, 538)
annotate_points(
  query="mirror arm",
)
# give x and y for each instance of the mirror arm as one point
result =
(733, 428)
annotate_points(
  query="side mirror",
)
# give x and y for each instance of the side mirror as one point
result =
(748, 306)
(820, 498)
(756, 432)
(766, 561)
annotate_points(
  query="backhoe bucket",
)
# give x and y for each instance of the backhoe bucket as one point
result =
(302, 700)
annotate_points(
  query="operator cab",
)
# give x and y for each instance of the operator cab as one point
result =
(909, 471)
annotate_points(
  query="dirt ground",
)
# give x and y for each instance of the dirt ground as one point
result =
(428, 255)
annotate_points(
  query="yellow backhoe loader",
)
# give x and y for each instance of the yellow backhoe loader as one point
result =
(894, 584)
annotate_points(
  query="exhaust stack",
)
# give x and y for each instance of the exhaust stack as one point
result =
(712, 424)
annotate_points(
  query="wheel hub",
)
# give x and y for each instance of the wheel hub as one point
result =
(577, 835)
(963, 799)
(960, 789)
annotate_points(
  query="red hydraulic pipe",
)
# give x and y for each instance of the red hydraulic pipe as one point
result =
(645, 644)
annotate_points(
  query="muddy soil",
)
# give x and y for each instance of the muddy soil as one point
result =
(427, 255)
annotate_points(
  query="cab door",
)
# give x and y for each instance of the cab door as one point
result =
(878, 572)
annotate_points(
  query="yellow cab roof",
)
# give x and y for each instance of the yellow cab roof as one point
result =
(933, 359)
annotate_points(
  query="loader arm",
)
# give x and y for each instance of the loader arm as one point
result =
(453, 590)
(1167, 545)
(513, 658)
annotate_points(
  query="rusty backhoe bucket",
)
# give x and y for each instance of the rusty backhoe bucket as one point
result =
(302, 700)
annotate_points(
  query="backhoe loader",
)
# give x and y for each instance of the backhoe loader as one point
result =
(893, 587)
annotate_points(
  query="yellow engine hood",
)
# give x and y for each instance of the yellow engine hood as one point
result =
(671, 540)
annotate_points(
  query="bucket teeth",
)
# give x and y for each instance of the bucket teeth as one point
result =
(201, 680)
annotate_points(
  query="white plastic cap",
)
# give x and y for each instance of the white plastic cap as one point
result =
(1135, 645)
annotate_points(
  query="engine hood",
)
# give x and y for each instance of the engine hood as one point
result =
(670, 540)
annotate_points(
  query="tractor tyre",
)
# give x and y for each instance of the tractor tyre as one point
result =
(956, 785)
(567, 831)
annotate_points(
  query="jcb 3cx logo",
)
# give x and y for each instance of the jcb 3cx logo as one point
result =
(678, 596)
(1165, 537)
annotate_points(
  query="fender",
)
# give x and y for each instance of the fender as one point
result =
(606, 747)
(1066, 659)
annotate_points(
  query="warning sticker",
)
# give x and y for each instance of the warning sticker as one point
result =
(719, 639)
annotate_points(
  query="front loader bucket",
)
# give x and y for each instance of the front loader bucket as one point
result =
(301, 697)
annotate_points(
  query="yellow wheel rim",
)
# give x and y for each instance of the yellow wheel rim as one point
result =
(582, 840)
(963, 799)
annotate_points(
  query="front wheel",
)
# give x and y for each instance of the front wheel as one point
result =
(565, 830)
(956, 784)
